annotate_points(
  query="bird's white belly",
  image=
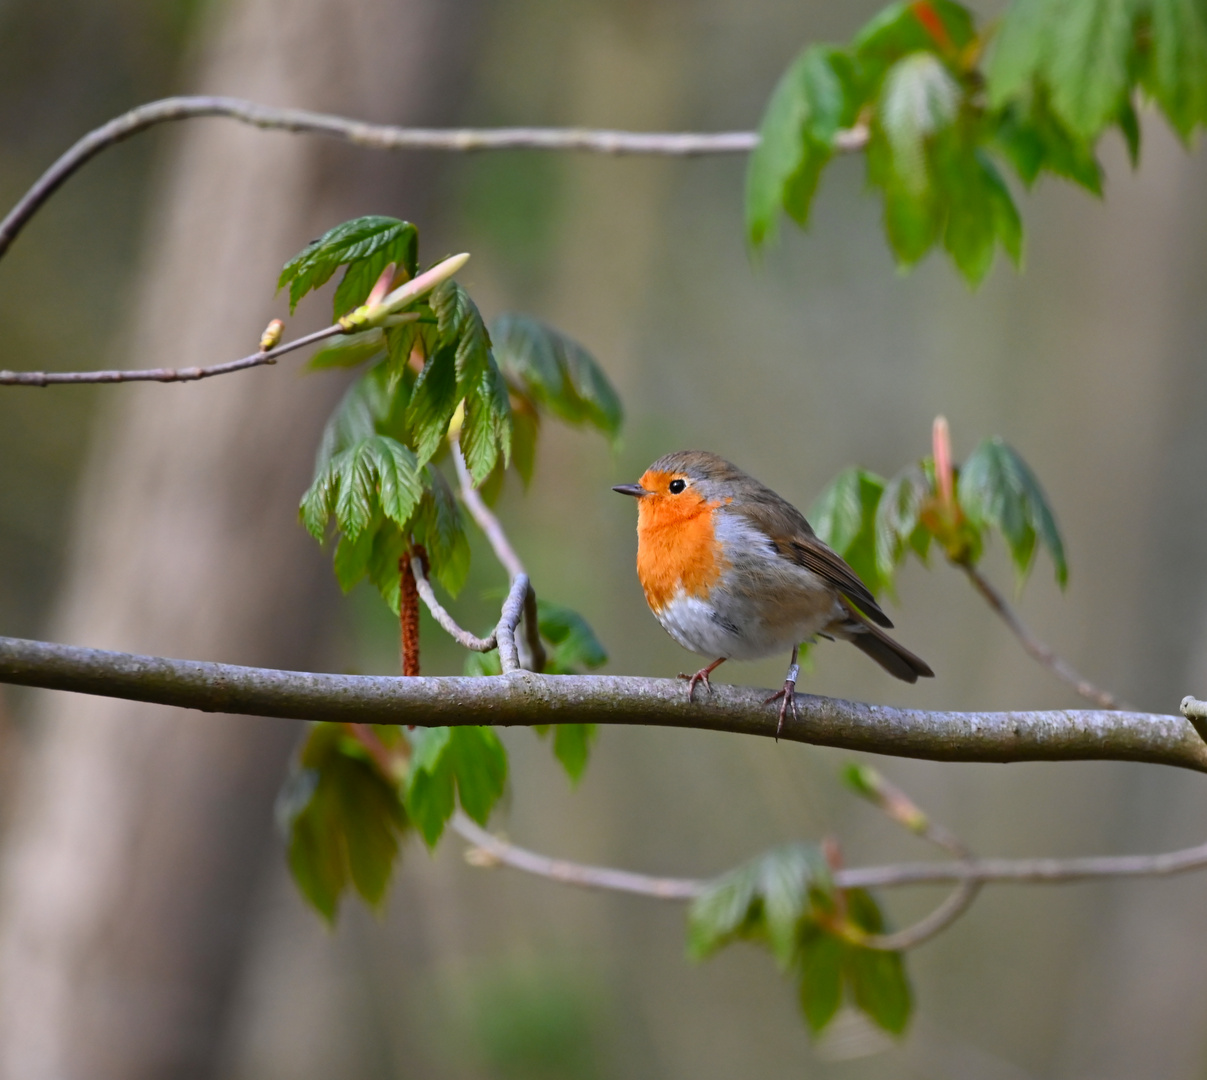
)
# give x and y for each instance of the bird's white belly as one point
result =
(736, 634)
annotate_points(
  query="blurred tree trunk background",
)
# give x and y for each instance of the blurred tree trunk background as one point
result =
(138, 834)
(147, 926)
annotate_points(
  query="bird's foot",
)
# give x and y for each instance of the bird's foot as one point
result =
(787, 699)
(700, 676)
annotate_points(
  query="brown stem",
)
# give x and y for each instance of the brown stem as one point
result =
(408, 609)
(1035, 648)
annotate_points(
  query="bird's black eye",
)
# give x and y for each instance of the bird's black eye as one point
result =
(676, 486)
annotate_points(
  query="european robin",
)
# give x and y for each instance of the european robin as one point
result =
(732, 570)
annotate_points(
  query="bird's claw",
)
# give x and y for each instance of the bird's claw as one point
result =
(698, 677)
(787, 699)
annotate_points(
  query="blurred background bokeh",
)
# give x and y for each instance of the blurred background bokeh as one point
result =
(147, 924)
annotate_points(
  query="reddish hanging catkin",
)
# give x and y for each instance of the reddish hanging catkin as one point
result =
(408, 609)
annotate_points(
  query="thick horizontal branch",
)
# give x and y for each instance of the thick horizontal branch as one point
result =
(524, 698)
(189, 374)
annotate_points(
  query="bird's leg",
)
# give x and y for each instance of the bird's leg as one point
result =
(788, 693)
(701, 676)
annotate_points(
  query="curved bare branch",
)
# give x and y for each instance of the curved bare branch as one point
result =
(377, 137)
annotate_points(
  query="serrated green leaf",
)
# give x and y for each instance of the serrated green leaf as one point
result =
(811, 101)
(821, 976)
(575, 644)
(556, 373)
(486, 430)
(433, 401)
(724, 911)
(375, 475)
(997, 489)
(438, 526)
(363, 272)
(373, 404)
(352, 241)
(343, 821)
(1178, 78)
(844, 516)
(525, 427)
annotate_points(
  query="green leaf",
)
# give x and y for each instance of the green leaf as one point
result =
(375, 475)
(433, 402)
(575, 644)
(556, 373)
(844, 516)
(471, 759)
(997, 489)
(1078, 49)
(919, 100)
(937, 26)
(480, 766)
(821, 976)
(437, 525)
(1178, 76)
(343, 821)
(373, 404)
(572, 747)
(765, 899)
(879, 985)
(430, 786)
(348, 350)
(362, 274)
(486, 429)
(1033, 139)
(389, 545)
(372, 239)
(813, 99)
(897, 520)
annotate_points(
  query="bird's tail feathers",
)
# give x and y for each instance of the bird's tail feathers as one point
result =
(895, 658)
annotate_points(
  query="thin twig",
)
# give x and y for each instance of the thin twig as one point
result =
(484, 516)
(900, 808)
(527, 698)
(980, 871)
(189, 374)
(381, 137)
(503, 636)
(1036, 648)
(504, 552)
(570, 873)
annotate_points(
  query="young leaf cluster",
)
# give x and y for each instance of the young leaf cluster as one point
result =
(875, 523)
(945, 102)
(431, 374)
(345, 818)
(786, 900)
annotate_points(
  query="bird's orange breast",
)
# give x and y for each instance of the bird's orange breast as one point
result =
(677, 547)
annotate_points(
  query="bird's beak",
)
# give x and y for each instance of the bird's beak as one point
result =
(636, 490)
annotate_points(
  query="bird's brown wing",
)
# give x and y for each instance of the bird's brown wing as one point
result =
(795, 539)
